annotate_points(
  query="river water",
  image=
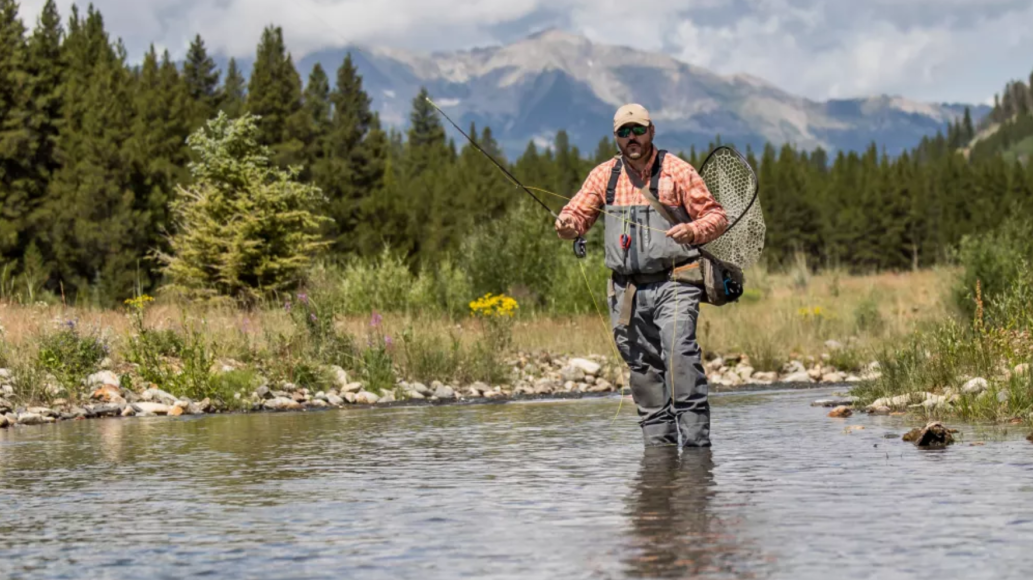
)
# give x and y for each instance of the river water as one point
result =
(558, 489)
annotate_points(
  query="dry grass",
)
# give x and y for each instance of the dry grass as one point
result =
(782, 315)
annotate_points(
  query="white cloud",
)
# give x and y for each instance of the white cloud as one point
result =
(928, 49)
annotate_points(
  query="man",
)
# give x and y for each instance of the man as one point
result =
(656, 286)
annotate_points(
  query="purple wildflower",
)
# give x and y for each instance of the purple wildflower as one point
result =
(375, 320)
(287, 306)
(387, 341)
(303, 298)
(312, 316)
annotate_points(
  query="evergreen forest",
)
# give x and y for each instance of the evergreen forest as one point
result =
(94, 156)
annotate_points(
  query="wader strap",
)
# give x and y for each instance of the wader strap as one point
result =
(615, 175)
(628, 304)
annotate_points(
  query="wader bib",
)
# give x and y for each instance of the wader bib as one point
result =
(654, 296)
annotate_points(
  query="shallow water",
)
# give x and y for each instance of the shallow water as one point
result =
(517, 490)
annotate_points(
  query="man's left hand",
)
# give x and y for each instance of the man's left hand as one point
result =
(682, 233)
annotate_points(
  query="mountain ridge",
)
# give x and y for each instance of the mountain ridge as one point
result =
(551, 80)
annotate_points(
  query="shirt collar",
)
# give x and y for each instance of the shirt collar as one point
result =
(646, 173)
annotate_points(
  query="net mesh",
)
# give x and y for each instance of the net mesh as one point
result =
(734, 184)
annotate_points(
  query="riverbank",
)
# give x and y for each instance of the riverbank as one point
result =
(797, 327)
(541, 377)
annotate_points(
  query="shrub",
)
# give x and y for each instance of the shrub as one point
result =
(245, 229)
(70, 355)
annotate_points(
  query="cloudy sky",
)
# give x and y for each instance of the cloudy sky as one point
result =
(936, 50)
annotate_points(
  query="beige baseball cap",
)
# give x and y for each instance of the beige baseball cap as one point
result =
(631, 113)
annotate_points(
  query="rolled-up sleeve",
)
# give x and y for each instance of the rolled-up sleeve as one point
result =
(586, 205)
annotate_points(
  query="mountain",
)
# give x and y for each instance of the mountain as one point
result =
(555, 80)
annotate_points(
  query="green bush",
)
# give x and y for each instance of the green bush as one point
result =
(70, 354)
(995, 260)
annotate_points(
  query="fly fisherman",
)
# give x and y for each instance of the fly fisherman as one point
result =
(656, 286)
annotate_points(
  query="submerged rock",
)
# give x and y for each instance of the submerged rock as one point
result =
(4, 422)
(934, 435)
(841, 412)
(840, 402)
(1029, 438)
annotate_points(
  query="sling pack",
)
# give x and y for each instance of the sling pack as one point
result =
(721, 282)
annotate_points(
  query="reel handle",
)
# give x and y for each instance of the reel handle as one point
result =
(580, 249)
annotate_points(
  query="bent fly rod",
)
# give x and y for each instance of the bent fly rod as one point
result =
(579, 243)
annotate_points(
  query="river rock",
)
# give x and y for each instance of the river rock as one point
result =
(833, 377)
(421, 389)
(317, 404)
(480, 386)
(932, 402)
(745, 372)
(764, 377)
(145, 408)
(572, 374)
(793, 367)
(601, 386)
(30, 419)
(841, 412)
(299, 396)
(104, 410)
(1002, 396)
(128, 411)
(838, 402)
(5, 406)
(798, 377)
(366, 398)
(934, 435)
(102, 378)
(156, 395)
(320, 396)
(282, 404)
(1029, 438)
(349, 397)
(334, 400)
(415, 395)
(6, 390)
(4, 421)
(387, 397)
(42, 411)
(852, 379)
(444, 392)
(590, 368)
(714, 365)
(106, 393)
(1021, 369)
(5, 375)
(975, 386)
(351, 388)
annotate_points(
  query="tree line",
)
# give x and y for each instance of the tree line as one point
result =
(93, 156)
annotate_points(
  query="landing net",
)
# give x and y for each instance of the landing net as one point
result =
(733, 183)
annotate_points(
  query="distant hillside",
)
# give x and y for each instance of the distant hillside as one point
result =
(528, 90)
(1008, 129)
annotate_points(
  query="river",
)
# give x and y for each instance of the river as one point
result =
(558, 489)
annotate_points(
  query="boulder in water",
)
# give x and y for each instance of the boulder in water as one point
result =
(841, 412)
(934, 436)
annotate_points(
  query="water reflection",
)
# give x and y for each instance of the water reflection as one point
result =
(675, 530)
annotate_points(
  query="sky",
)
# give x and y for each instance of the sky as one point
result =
(929, 50)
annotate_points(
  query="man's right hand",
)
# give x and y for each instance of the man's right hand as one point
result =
(565, 228)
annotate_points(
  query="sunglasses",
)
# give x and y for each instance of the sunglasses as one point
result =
(638, 130)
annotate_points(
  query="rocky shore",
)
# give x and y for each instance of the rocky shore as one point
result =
(534, 377)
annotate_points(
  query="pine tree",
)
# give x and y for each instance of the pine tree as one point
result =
(96, 233)
(202, 83)
(274, 95)
(232, 94)
(157, 149)
(16, 184)
(317, 107)
(969, 131)
(246, 229)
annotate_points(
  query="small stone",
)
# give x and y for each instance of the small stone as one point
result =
(975, 386)
(745, 372)
(351, 388)
(1002, 396)
(814, 374)
(151, 408)
(4, 422)
(590, 380)
(793, 367)
(103, 410)
(387, 397)
(572, 374)
(107, 393)
(282, 404)
(443, 392)
(853, 428)
(798, 377)
(128, 411)
(263, 392)
(102, 378)
(421, 388)
(106, 363)
(30, 419)
(299, 397)
(841, 402)
(334, 400)
(5, 406)
(157, 395)
(350, 397)
(586, 366)
(6, 390)
(415, 395)
(1029, 438)
(366, 398)
(833, 377)
(852, 379)
(42, 411)
(318, 404)
(176, 411)
(764, 378)
(320, 396)
(879, 410)
(841, 412)
(5, 374)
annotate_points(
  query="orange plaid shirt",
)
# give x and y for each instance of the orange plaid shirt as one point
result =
(680, 185)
